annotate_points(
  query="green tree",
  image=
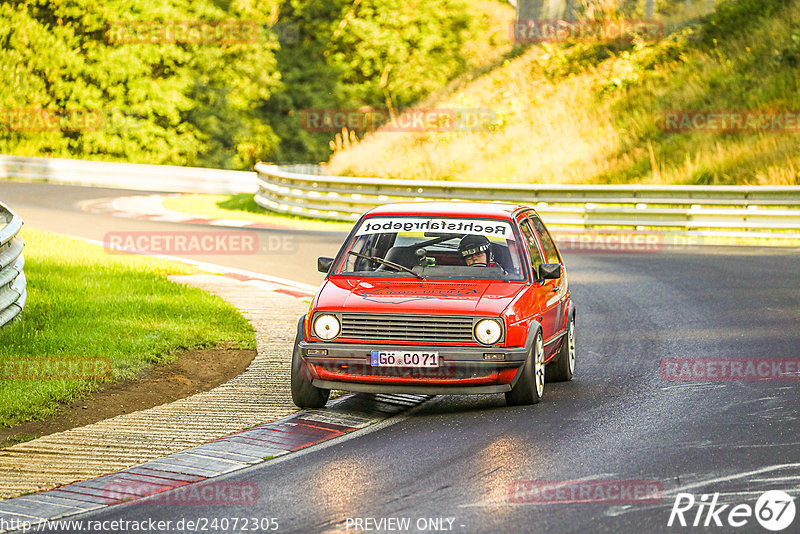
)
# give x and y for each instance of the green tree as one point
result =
(168, 102)
(348, 54)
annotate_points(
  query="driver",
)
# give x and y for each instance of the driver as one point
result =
(476, 251)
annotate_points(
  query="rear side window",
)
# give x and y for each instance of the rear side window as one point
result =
(550, 250)
(533, 247)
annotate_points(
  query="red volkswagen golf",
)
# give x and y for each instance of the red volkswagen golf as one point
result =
(439, 298)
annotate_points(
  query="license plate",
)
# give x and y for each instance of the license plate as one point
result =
(382, 358)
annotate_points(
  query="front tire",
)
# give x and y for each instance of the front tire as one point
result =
(530, 385)
(563, 367)
(304, 393)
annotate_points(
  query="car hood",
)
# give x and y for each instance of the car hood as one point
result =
(468, 297)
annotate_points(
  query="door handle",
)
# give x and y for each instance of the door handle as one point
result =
(556, 288)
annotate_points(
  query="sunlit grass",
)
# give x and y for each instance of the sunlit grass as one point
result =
(86, 303)
(592, 113)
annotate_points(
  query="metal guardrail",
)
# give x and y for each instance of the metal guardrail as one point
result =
(139, 177)
(756, 211)
(13, 292)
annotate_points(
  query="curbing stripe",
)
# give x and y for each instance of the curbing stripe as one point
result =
(82, 505)
(259, 448)
(186, 469)
(74, 496)
(9, 517)
(226, 455)
(87, 493)
(27, 506)
(164, 475)
(203, 463)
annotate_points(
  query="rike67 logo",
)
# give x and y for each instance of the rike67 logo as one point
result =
(774, 510)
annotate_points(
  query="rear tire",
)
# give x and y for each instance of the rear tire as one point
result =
(563, 367)
(530, 385)
(304, 393)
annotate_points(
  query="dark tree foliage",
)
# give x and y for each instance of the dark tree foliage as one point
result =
(94, 79)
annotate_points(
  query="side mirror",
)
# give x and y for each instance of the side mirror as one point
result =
(324, 264)
(550, 271)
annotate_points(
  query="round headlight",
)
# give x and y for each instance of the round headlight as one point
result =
(488, 331)
(326, 326)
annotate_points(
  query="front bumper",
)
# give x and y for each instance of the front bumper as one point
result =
(462, 370)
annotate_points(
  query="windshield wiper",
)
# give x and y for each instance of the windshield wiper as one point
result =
(387, 262)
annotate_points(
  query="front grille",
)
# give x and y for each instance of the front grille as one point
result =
(407, 327)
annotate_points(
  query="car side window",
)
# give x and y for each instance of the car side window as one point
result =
(550, 250)
(533, 247)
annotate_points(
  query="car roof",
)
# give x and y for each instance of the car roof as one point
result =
(448, 209)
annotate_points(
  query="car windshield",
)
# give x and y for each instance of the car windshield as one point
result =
(432, 247)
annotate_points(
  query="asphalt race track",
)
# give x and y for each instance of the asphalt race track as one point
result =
(55, 208)
(456, 460)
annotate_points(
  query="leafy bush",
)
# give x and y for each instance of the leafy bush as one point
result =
(176, 103)
(223, 103)
(365, 53)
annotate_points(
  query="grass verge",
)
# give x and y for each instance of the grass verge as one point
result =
(84, 303)
(243, 207)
